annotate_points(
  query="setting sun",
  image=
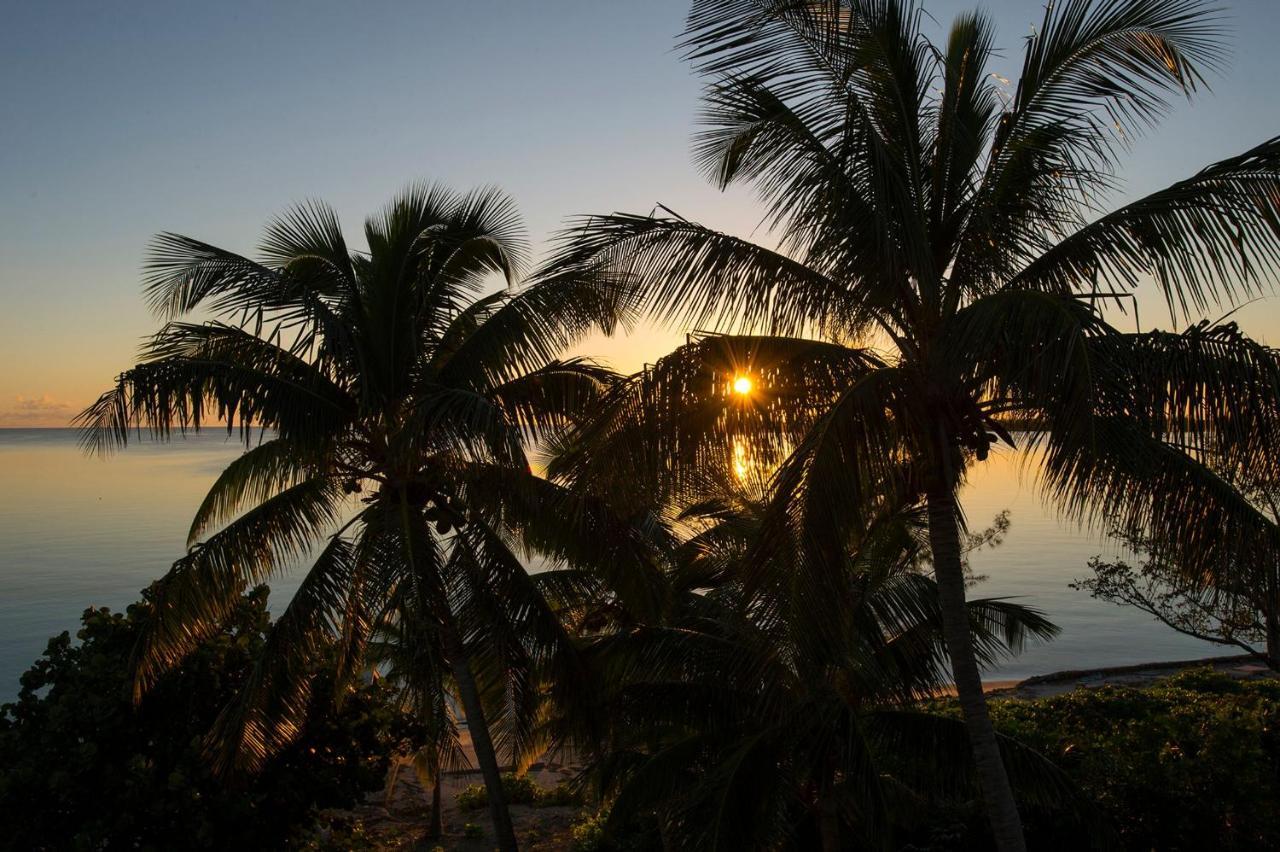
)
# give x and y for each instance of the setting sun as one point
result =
(742, 385)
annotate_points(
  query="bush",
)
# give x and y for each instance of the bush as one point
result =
(1190, 764)
(471, 831)
(520, 790)
(560, 796)
(81, 767)
(588, 833)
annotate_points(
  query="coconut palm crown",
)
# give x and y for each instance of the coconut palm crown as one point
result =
(386, 402)
(959, 229)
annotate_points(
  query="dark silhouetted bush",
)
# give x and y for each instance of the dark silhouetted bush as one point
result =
(82, 768)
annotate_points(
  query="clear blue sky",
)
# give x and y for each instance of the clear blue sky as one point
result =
(121, 120)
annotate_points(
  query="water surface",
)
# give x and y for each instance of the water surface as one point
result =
(78, 531)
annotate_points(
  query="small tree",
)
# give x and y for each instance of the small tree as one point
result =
(1239, 606)
(82, 768)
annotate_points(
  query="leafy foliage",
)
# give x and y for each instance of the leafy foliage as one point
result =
(1237, 606)
(1159, 591)
(1192, 763)
(748, 713)
(520, 790)
(82, 768)
(916, 207)
(400, 392)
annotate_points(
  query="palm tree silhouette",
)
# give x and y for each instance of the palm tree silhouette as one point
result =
(747, 719)
(395, 403)
(958, 231)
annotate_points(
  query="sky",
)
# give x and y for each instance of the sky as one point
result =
(118, 121)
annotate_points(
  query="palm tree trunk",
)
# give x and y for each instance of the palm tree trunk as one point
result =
(478, 727)
(997, 794)
(437, 817)
(829, 825)
(1273, 638)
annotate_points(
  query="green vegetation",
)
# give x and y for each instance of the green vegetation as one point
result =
(588, 833)
(741, 721)
(1192, 763)
(519, 790)
(82, 768)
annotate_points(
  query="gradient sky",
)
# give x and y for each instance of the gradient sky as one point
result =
(122, 120)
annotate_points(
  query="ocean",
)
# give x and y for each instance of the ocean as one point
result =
(79, 531)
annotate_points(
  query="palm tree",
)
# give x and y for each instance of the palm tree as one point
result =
(746, 719)
(402, 652)
(394, 404)
(960, 232)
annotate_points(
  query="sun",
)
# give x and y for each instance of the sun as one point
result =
(742, 385)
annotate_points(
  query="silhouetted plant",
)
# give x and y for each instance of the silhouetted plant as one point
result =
(394, 401)
(745, 719)
(1190, 763)
(1235, 605)
(82, 768)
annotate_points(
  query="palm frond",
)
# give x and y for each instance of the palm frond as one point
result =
(462, 422)
(554, 396)
(272, 707)
(1128, 480)
(965, 121)
(182, 274)
(193, 599)
(307, 241)
(691, 275)
(220, 373)
(1210, 390)
(1033, 354)
(257, 475)
(845, 474)
(529, 640)
(535, 324)
(567, 528)
(666, 431)
(1206, 240)
(1104, 67)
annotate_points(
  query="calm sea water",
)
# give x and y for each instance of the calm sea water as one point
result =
(77, 531)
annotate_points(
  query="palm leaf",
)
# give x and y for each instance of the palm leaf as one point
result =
(194, 598)
(1209, 239)
(272, 707)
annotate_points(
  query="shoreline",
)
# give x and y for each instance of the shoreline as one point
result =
(1240, 666)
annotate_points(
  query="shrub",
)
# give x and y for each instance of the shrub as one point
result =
(471, 831)
(588, 833)
(82, 767)
(472, 797)
(1192, 763)
(520, 790)
(560, 796)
